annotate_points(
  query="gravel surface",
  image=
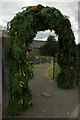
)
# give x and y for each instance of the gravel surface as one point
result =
(48, 100)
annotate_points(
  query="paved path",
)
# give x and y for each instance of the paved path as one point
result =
(48, 100)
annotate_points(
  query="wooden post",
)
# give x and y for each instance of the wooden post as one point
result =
(53, 65)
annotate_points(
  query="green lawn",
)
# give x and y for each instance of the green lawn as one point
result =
(56, 71)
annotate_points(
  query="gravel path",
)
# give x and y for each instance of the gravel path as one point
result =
(48, 100)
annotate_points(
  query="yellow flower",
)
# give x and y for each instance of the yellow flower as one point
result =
(24, 44)
(21, 83)
(34, 8)
(71, 68)
(65, 17)
(23, 73)
(21, 101)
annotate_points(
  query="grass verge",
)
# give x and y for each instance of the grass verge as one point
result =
(56, 71)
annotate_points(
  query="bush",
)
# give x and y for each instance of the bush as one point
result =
(17, 105)
(67, 78)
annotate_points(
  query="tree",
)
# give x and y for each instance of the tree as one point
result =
(4, 31)
(50, 49)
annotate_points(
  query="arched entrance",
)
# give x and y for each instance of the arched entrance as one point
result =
(23, 28)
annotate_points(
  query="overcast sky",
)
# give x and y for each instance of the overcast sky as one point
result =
(9, 8)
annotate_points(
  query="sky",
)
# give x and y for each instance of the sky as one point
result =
(9, 8)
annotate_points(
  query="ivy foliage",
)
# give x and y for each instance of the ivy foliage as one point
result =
(22, 29)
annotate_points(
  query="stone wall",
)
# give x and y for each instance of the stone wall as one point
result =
(0, 78)
(5, 78)
(79, 63)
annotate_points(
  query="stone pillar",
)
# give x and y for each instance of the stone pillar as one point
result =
(5, 78)
(0, 78)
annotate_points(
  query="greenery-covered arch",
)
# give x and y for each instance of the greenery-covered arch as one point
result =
(22, 29)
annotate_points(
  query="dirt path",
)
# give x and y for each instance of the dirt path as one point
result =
(48, 100)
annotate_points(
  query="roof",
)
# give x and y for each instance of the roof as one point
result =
(37, 43)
